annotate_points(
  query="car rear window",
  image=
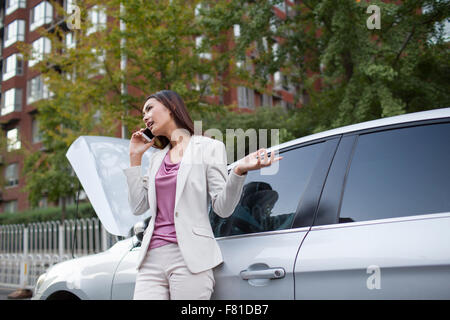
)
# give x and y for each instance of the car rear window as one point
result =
(397, 173)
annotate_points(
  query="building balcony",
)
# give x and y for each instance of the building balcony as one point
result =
(10, 117)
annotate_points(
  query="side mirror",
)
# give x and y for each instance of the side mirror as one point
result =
(138, 230)
(135, 242)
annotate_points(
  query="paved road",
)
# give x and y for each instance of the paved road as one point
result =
(4, 292)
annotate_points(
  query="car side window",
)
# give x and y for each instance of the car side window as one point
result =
(269, 202)
(397, 173)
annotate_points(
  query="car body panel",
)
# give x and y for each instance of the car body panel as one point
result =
(406, 257)
(88, 277)
(240, 253)
(125, 276)
(261, 251)
(397, 258)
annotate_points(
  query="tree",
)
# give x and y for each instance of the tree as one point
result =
(85, 77)
(348, 72)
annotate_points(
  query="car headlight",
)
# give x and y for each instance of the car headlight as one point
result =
(39, 282)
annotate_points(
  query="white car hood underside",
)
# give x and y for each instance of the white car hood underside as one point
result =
(98, 162)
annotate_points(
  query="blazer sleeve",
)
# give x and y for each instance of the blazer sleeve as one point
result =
(224, 190)
(137, 190)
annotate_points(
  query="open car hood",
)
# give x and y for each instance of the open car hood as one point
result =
(98, 163)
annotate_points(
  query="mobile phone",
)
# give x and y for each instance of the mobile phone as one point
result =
(148, 135)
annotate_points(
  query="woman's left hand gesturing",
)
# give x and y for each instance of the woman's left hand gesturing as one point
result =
(256, 160)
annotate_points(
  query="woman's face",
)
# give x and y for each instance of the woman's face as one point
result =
(156, 117)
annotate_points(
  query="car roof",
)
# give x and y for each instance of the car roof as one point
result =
(404, 118)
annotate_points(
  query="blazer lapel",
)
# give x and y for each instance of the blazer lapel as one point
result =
(183, 171)
(185, 166)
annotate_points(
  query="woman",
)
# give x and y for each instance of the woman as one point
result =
(178, 250)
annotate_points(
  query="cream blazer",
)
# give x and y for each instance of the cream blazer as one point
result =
(202, 177)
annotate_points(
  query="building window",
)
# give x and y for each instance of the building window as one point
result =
(282, 82)
(199, 47)
(200, 8)
(13, 66)
(204, 81)
(12, 175)
(99, 64)
(12, 140)
(11, 101)
(237, 30)
(289, 106)
(40, 15)
(69, 5)
(278, 80)
(246, 97)
(15, 31)
(245, 64)
(36, 90)
(97, 117)
(97, 18)
(273, 25)
(197, 9)
(13, 5)
(275, 51)
(266, 100)
(35, 131)
(70, 76)
(10, 206)
(36, 135)
(70, 40)
(262, 46)
(40, 47)
(43, 203)
(281, 5)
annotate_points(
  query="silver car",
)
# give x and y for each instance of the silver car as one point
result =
(358, 212)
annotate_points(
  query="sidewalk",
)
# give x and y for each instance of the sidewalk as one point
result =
(5, 291)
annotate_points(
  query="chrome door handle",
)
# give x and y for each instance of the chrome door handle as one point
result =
(270, 273)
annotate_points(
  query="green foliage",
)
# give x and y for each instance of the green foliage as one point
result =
(290, 124)
(350, 73)
(91, 92)
(85, 210)
(344, 72)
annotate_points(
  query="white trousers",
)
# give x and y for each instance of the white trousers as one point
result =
(164, 276)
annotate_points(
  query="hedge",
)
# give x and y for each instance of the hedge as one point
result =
(85, 210)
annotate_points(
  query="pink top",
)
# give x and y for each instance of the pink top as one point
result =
(165, 184)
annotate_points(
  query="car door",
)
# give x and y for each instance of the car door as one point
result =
(259, 241)
(381, 230)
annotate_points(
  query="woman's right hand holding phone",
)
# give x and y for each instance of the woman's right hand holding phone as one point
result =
(138, 145)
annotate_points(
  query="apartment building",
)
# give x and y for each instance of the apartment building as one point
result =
(21, 87)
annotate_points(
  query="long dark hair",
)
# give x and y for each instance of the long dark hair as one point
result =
(172, 101)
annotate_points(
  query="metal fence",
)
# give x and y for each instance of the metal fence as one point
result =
(27, 251)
